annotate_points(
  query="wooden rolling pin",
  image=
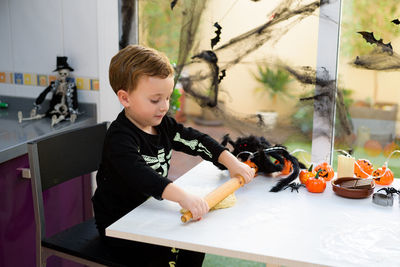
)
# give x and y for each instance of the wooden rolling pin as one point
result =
(219, 194)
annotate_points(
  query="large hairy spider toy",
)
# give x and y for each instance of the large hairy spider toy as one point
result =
(259, 151)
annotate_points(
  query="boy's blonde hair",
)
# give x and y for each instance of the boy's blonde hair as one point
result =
(135, 61)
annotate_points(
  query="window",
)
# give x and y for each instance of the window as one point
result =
(282, 61)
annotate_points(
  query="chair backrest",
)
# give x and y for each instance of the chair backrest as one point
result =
(61, 157)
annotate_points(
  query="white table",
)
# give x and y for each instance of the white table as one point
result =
(287, 228)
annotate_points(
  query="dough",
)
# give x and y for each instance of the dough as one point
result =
(228, 202)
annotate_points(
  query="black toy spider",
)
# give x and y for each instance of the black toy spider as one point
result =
(294, 186)
(259, 151)
(390, 190)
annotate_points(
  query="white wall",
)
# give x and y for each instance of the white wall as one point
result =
(107, 32)
(34, 32)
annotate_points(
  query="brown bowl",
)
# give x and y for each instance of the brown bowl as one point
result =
(347, 187)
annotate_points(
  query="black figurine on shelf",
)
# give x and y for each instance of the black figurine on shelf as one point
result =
(64, 102)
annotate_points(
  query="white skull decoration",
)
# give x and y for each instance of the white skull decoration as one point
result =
(63, 74)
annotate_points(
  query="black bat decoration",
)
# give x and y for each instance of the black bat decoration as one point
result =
(396, 21)
(370, 38)
(217, 38)
(173, 3)
(220, 77)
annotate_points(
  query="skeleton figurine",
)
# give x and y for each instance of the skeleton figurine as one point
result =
(64, 102)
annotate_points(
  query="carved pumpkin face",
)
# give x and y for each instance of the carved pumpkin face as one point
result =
(363, 168)
(383, 176)
(326, 171)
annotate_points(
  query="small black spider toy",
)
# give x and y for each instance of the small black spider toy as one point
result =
(259, 151)
(294, 186)
(390, 190)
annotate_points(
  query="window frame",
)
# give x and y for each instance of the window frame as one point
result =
(323, 137)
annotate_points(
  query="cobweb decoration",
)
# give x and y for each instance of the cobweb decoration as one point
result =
(307, 75)
(192, 11)
(209, 66)
(280, 20)
(383, 57)
(378, 60)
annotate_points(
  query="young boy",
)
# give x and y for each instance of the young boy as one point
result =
(137, 151)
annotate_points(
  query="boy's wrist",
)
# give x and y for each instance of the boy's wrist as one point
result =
(173, 193)
(226, 158)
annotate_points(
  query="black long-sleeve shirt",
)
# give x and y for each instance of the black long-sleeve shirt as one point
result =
(135, 164)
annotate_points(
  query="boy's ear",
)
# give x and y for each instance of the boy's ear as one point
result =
(123, 97)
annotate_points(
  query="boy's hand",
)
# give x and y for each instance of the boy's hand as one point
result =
(196, 205)
(236, 167)
(243, 170)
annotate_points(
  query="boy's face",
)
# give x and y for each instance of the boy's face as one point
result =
(149, 102)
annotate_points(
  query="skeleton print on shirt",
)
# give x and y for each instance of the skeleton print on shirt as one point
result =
(160, 163)
(193, 144)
